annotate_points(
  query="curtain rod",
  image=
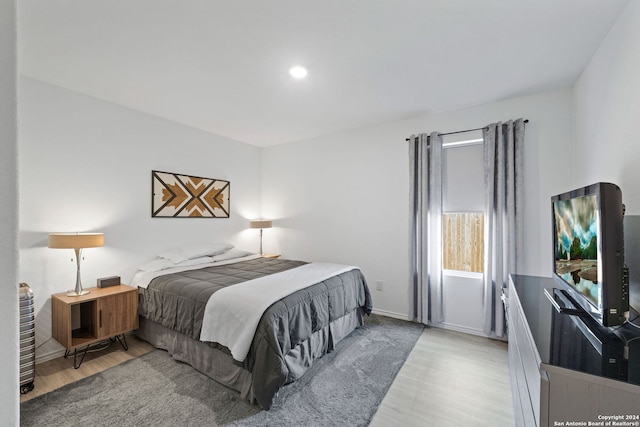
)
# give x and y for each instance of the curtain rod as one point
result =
(463, 131)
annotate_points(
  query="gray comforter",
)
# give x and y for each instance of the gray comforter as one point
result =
(177, 301)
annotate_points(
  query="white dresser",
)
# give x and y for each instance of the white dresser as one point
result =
(565, 369)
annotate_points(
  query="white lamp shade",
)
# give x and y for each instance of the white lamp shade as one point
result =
(261, 223)
(75, 240)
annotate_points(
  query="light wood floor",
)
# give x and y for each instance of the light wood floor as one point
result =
(58, 372)
(449, 379)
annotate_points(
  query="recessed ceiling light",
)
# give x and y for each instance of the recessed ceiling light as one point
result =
(299, 72)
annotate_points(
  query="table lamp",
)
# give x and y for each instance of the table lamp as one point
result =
(77, 242)
(261, 224)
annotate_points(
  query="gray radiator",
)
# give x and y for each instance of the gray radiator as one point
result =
(27, 339)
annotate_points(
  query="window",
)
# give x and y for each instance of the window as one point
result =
(463, 241)
(463, 206)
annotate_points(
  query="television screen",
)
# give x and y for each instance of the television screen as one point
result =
(577, 240)
(588, 254)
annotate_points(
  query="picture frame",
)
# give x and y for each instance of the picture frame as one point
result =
(186, 196)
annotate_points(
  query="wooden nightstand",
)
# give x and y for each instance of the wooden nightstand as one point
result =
(104, 313)
(270, 256)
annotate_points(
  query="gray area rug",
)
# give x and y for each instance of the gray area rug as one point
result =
(344, 387)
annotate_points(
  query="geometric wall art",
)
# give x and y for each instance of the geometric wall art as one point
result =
(183, 196)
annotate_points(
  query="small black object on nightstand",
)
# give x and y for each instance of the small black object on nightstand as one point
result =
(105, 282)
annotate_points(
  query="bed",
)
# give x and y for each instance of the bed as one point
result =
(305, 320)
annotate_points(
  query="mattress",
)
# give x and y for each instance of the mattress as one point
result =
(291, 334)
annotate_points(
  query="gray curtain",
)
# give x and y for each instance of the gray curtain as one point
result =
(503, 149)
(426, 227)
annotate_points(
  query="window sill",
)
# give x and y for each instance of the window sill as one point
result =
(458, 273)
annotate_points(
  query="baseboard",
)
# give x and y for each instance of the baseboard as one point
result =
(390, 314)
(40, 358)
(59, 352)
(463, 329)
(444, 325)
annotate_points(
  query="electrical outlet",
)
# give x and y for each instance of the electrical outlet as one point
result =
(379, 285)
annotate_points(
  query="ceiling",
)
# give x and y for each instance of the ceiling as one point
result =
(222, 65)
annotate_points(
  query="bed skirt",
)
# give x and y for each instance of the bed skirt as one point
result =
(218, 364)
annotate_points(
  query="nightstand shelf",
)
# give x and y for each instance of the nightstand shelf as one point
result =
(104, 313)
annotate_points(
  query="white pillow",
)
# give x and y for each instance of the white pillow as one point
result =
(196, 250)
(230, 254)
(156, 265)
(163, 263)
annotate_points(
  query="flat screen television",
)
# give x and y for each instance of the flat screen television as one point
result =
(588, 241)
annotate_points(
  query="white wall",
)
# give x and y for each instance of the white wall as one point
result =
(9, 380)
(85, 165)
(607, 105)
(344, 197)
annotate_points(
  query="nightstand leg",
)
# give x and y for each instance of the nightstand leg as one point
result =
(123, 342)
(67, 353)
(75, 354)
(94, 347)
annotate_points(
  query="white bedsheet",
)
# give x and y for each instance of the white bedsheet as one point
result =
(143, 278)
(232, 314)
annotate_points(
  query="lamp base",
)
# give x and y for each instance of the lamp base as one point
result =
(77, 294)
